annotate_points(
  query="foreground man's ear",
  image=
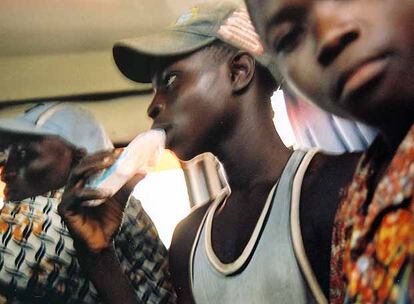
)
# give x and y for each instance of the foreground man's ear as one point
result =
(242, 68)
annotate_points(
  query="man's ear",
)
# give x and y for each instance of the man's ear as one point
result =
(242, 69)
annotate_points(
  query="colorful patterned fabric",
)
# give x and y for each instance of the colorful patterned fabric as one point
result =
(373, 241)
(38, 262)
(143, 256)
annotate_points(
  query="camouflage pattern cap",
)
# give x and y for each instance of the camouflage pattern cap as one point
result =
(196, 28)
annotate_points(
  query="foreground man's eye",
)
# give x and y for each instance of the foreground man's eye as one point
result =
(285, 35)
(288, 41)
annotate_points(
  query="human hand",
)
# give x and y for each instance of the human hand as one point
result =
(93, 228)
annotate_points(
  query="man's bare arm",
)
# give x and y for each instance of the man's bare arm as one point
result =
(104, 270)
(93, 228)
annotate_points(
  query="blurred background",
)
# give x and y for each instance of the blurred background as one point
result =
(62, 50)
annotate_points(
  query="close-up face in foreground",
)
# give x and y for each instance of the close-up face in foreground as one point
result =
(36, 166)
(353, 58)
(191, 102)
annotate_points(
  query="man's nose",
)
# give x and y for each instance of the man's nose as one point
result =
(335, 30)
(155, 108)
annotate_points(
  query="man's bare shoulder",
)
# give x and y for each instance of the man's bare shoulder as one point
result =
(180, 251)
(329, 169)
(324, 183)
(187, 228)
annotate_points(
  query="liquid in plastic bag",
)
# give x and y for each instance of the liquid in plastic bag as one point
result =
(143, 152)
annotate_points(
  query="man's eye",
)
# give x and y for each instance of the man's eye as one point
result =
(169, 81)
(288, 41)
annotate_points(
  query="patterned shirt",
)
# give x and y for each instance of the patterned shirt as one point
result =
(38, 262)
(373, 241)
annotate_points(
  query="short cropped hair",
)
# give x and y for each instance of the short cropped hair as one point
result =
(221, 51)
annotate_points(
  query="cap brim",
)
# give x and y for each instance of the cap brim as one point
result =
(18, 127)
(134, 57)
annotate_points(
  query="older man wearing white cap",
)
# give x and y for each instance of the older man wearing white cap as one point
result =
(38, 262)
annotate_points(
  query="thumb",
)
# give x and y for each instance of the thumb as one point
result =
(133, 181)
(123, 194)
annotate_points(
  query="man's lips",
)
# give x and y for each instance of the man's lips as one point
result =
(166, 128)
(360, 75)
(163, 126)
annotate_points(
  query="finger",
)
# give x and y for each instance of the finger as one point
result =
(133, 181)
(100, 154)
(81, 180)
(91, 165)
(73, 200)
(123, 194)
(90, 161)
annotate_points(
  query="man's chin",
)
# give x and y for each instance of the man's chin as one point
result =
(185, 154)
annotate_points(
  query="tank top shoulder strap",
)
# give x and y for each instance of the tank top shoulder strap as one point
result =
(223, 194)
(296, 230)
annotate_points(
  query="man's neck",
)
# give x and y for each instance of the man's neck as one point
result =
(253, 153)
(254, 158)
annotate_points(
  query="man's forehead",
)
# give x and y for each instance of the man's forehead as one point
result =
(24, 140)
(163, 62)
(10, 139)
(34, 140)
(157, 68)
(161, 65)
(264, 11)
(270, 6)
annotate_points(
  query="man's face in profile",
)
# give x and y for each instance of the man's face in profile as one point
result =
(191, 103)
(350, 57)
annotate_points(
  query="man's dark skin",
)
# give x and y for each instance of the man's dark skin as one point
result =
(36, 165)
(219, 106)
(360, 51)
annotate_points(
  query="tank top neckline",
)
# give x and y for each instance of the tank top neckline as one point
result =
(238, 263)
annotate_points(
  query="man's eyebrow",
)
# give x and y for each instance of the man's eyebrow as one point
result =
(286, 13)
(159, 75)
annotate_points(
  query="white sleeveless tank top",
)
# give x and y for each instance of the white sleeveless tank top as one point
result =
(273, 267)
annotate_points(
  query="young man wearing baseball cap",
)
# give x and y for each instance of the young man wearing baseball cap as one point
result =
(212, 89)
(361, 54)
(38, 261)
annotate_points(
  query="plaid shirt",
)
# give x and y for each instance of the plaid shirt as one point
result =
(38, 262)
(373, 241)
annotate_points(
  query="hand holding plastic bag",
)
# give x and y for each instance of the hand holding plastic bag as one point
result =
(142, 153)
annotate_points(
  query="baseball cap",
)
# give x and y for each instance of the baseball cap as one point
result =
(72, 123)
(198, 27)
